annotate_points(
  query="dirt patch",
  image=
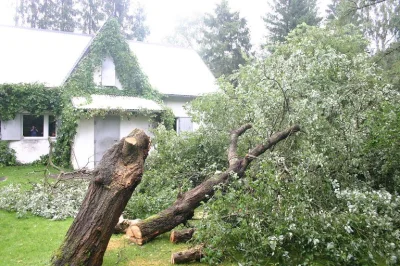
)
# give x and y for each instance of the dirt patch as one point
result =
(116, 243)
(3, 178)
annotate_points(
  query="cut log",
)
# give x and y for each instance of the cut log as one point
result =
(123, 225)
(183, 208)
(181, 236)
(115, 179)
(194, 254)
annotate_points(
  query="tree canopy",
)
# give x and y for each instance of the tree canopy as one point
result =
(84, 15)
(225, 44)
(287, 14)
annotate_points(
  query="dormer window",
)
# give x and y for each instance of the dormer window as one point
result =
(108, 78)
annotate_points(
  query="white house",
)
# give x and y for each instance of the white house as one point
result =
(50, 58)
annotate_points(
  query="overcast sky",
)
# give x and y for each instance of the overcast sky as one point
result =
(162, 15)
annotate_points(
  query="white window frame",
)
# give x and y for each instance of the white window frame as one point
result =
(17, 128)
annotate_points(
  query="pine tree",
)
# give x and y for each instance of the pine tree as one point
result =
(226, 41)
(84, 15)
(287, 14)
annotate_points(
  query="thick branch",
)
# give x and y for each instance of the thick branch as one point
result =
(235, 134)
(271, 141)
(183, 208)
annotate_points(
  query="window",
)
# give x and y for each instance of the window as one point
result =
(184, 124)
(32, 126)
(29, 126)
(108, 72)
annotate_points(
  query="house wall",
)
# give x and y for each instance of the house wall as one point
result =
(127, 125)
(176, 103)
(30, 150)
(83, 147)
(82, 154)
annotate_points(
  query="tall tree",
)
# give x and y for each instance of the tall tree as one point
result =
(378, 19)
(84, 15)
(91, 15)
(287, 14)
(226, 41)
(47, 14)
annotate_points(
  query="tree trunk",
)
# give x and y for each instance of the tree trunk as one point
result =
(183, 208)
(186, 256)
(114, 181)
(181, 236)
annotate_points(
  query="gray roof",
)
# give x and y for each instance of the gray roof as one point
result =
(31, 55)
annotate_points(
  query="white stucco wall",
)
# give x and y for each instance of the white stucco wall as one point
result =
(82, 154)
(176, 103)
(30, 149)
(127, 125)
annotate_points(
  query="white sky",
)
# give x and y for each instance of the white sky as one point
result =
(162, 15)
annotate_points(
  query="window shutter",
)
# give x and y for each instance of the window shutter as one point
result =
(108, 72)
(11, 129)
(185, 124)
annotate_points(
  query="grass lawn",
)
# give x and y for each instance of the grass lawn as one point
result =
(23, 175)
(32, 240)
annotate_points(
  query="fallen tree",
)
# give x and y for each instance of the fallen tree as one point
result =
(115, 179)
(183, 208)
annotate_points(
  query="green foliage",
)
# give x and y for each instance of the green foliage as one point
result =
(382, 146)
(378, 20)
(290, 208)
(178, 163)
(226, 40)
(33, 98)
(7, 155)
(55, 203)
(268, 218)
(287, 15)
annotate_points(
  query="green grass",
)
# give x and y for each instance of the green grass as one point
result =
(23, 175)
(29, 241)
(32, 240)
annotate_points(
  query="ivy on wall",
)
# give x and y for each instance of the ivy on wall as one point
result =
(36, 99)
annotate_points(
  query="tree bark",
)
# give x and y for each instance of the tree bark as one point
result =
(186, 256)
(115, 179)
(181, 236)
(183, 208)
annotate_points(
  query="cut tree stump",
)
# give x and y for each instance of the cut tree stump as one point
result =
(183, 208)
(181, 236)
(115, 178)
(194, 254)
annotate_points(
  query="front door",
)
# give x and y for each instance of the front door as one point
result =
(106, 134)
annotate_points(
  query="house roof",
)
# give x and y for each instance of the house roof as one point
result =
(43, 56)
(115, 103)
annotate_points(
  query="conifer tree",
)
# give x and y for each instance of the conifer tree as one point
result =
(226, 40)
(287, 14)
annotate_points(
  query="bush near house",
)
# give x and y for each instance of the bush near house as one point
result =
(7, 155)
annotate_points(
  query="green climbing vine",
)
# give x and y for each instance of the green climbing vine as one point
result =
(109, 42)
(36, 98)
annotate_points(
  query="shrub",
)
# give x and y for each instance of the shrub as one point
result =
(7, 155)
